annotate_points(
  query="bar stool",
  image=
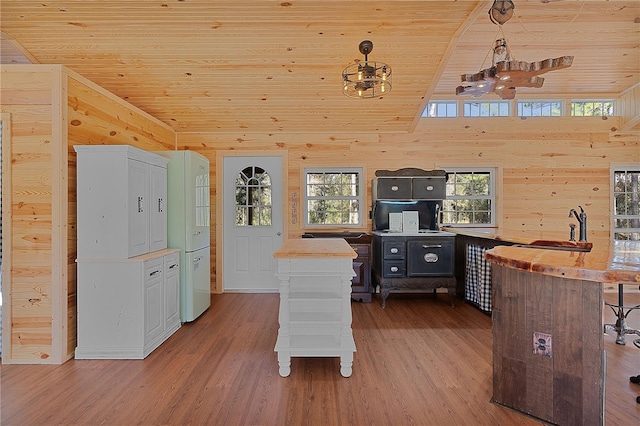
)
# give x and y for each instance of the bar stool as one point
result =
(621, 312)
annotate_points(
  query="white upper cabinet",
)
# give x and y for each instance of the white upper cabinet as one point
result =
(121, 199)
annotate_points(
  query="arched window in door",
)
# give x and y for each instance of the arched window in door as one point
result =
(253, 197)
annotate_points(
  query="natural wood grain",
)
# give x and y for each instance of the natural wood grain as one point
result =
(274, 67)
(418, 361)
(566, 386)
(544, 166)
(315, 248)
(617, 263)
(51, 109)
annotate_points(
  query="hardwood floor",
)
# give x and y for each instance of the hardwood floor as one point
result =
(418, 362)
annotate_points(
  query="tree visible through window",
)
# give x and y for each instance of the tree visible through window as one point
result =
(253, 197)
(591, 108)
(626, 204)
(539, 108)
(470, 198)
(333, 197)
(486, 109)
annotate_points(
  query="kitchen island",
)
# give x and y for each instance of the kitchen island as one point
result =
(315, 301)
(548, 348)
(473, 272)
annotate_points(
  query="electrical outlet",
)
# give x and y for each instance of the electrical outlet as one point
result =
(542, 344)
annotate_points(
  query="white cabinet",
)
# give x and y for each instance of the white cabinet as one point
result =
(315, 302)
(158, 207)
(127, 307)
(121, 198)
(171, 315)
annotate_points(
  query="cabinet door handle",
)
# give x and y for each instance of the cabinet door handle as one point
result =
(175, 265)
(159, 205)
(394, 250)
(156, 272)
(394, 269)
(426, 246)
(139, 204)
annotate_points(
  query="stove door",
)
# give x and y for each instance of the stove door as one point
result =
(430, 257)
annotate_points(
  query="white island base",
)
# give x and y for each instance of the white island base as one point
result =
(315, 302)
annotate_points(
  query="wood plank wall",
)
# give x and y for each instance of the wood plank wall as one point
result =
(51, 109)
(628, 108)
(28, 98)
(546, 166)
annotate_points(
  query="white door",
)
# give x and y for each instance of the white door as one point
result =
(252, 216)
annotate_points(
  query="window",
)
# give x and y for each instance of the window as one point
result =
(591, 108)
(486, 109)
(539, 109)
(253, 197)
(626, 203)
(470, 197)
(441, 109)
(333, 197)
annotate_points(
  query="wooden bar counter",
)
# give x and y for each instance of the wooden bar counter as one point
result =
(548, 347)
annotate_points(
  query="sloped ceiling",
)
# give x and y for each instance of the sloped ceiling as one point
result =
(268, 66)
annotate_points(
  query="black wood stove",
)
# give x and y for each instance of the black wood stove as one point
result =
(409, 252)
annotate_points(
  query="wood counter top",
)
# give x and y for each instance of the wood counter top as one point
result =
(617, 263)
(487, 233)
(315, 248)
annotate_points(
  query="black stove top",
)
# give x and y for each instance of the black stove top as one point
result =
(420, 233)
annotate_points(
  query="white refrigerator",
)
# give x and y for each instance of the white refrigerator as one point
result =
(188, 224)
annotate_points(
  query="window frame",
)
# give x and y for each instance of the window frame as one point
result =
(598, 101)
(616, 168)
(566, 106)
(444, 103)
(361, 197)
(254, 210)
(493, 196)
(519, 105)
(500, 104)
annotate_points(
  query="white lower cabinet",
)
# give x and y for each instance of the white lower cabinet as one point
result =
(127, 307)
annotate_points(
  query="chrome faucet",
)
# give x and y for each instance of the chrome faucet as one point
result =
(582, 220)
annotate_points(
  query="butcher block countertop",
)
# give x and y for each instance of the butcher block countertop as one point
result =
(314, 248)
(617, 263)
(536, 239)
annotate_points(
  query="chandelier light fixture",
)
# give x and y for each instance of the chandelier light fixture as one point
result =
(366, 79)
(505, 73)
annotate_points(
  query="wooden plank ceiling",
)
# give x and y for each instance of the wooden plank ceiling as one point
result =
(275, 66)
